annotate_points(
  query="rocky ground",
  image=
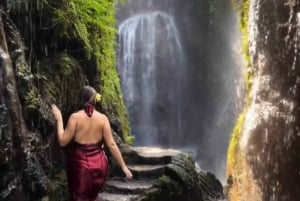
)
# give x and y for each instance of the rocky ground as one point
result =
(149, 165)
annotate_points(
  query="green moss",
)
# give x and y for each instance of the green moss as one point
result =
(23, 72)
(58, 188)
(86, 21)
(164, 189)
(233, 150)
(32, 99)
(233, 156)
(66, 64)
(243, 12)
(59, 79)
(92, 22)
(244, 23)
(112, 100)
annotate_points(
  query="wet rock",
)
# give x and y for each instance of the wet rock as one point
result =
(134, 186)
(164, 174)
(266, 161)
(146, 171)
(118, 197)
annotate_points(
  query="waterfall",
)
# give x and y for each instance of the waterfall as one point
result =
(179, 64)
(151, 66)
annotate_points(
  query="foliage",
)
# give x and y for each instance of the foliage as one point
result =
(81, 29)
(233, 149)
(24, 72)
(243, 9)
(58, 189)
(235, 159)
(66, 65)
(88, 20)
(32, 98)
(165, 188)
(93, 23)
(112, 104)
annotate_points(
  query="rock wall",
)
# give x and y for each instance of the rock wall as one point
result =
(18, 164)
(40, 66)
(266, 155)
(31, 160)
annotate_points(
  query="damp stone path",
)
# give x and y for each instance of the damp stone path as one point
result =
(147, 164)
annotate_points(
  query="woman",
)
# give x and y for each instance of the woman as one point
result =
(85, 134)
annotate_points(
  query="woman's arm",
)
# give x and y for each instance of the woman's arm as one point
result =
(64, 136)
(110, 142)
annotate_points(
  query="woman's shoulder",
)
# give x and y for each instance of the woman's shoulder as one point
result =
(81, 113)
(77, 114)
(100, 115)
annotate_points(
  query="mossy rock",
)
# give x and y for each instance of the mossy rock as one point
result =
(58, 188)
(182, 182)
(165, 189)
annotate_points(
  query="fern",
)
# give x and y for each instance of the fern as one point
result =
(87, 20)
(92, 22)
(83, 34)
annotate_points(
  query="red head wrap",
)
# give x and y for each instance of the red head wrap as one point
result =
(89, 109)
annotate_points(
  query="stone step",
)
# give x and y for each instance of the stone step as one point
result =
(120, 186)
(149, 171)
(115, 197)
(152, 155)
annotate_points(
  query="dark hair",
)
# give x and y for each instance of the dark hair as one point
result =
(87, 95)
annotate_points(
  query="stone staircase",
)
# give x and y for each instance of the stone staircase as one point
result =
(117, 189)
(147, 164)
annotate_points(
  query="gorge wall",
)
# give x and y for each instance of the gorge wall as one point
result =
(263, 158)
(48, 50)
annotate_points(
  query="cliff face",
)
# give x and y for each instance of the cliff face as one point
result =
(20, 150)
(264, 162)
(43, 61)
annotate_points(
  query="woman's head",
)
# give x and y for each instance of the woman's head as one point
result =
(87, 95)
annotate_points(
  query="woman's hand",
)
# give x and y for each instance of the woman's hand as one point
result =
(127, 172)
(56, 112)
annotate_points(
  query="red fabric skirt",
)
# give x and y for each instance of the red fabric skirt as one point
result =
(87, 170)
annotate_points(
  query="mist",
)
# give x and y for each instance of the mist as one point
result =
(186, 90)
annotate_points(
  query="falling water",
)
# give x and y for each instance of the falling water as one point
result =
(180, 75)
(151, 66)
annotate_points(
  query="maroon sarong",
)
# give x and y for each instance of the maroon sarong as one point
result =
(87, 170)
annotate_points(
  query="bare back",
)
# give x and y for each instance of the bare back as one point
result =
(89, 129)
